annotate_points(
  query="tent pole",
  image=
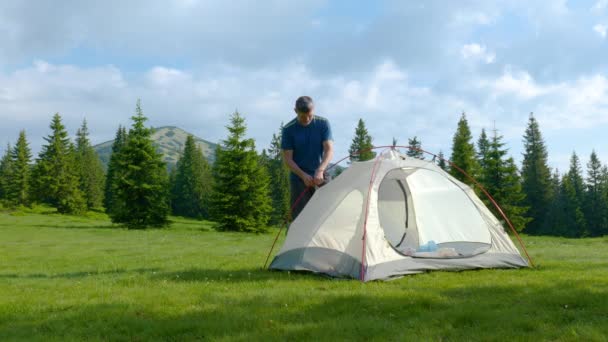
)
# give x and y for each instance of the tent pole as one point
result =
(285, 224)
(369, 193)
(476, 183)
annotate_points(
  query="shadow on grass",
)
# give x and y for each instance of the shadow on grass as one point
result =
(77, 226)
(190, 275)
(232, 275)
(75, 275)
(550, 312)
(117, 226)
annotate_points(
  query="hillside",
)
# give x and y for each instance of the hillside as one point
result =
(168, 140)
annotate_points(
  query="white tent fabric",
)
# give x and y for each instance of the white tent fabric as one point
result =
(401, 205)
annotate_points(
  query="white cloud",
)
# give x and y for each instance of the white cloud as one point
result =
(475, 51)
(600, 5)
(472, 18)
(581, 103)
(517, 83)
(242, 31)
(600, 29)
(577, 105)
(199, 100)
(403, 67)
(162, 76)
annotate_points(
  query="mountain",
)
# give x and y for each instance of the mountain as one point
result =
(169, 141)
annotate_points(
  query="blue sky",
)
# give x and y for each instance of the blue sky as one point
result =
(407, 68)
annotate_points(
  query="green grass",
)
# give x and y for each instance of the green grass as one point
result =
(79, 278)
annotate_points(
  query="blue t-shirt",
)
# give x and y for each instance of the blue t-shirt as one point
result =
(306, 142)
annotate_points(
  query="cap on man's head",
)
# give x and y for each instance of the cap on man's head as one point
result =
(304, 104)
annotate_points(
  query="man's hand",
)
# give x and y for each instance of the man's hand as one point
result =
(319, 178)
(308, 180)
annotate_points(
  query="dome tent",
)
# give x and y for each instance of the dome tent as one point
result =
(392, 216)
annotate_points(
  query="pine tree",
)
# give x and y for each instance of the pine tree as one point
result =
(264, 159)
(483, 151)
(442, 162)
(90, 169)
(513, 197)
(360, 148)
(501, 179)
(463, 152)
(55, 176)
(18, 187)
(491, 175)
(604, 199)
(594, 206)
(191, 183)
(5, 169)
(415, 150)
(113, 173)
(574, 191)
(536, 176)
(141, 193)
(555, 220)
(279, 181)
(240, 198)
(573, 218)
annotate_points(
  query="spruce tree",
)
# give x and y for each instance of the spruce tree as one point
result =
(574, 189)
(483, 151)
(191, 183)
(415, 150)
(557, 219)
(594, 206)
(536, 176)
(360, 147)
(573, 218)
(18, 187)
(604, 199)
(463, 152)
(442, 162)
(55, 175)
(5, 169)
(240, 198)
(264, 159)
(513, 197)
(114, 172)
(141, 193)
(491, 176)
(279, 181)
(501, 179)
(90, 169)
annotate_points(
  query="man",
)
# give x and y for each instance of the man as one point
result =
(307, 150)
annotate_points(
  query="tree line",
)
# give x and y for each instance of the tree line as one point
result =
(248, 191)
(138, 190)
(538, 200)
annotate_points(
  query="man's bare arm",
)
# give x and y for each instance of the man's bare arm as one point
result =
(291, 164)
(328, 154)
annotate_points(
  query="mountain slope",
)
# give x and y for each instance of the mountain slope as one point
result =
(169, 141)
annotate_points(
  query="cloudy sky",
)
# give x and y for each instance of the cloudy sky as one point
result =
(406, 67)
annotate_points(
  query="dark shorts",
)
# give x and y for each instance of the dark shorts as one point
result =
(297, 190)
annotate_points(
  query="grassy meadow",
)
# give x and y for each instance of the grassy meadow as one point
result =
(66, 278)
